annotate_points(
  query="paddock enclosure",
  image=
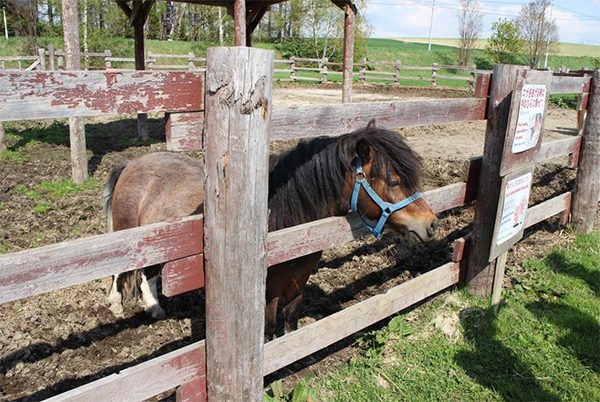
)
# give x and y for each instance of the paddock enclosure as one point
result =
(239, 119)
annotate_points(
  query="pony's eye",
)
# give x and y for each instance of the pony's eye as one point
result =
(394, 183)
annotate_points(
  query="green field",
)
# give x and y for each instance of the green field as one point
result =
(564, 49)
(542, 346)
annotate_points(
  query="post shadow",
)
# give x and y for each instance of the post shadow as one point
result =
(580, 330)
(492, 364)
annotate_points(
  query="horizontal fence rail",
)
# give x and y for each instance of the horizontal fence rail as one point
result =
(334, 119)
(30, 272)
(62, 94)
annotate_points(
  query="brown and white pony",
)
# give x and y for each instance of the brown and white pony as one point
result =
(314, 180)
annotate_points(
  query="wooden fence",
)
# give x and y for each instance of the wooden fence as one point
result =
(231, 362)
(294, 69)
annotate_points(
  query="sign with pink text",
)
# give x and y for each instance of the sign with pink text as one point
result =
(512, 209)
(530, 118)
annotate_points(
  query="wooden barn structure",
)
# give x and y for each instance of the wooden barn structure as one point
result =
(246, 17)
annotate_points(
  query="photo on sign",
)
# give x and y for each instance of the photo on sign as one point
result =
(516, 198)
(531, 117)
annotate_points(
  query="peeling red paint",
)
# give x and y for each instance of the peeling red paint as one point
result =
(80, 93)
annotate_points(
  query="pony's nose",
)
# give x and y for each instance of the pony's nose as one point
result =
(432, 228)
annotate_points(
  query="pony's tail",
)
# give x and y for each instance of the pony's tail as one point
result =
(107, 194)
(128, 282)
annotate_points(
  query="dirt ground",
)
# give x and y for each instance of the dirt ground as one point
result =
(54, 342)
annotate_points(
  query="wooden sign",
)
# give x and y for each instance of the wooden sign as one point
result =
(526, 120)
(529, 120)
(512, 208)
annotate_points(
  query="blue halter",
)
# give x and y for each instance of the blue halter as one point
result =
(386, 208)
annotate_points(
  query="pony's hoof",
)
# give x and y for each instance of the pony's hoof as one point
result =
(156, 312)
(117, 310)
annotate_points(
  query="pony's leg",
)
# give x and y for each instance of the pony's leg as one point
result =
(115, 298)
(291, 314)
(150, 296)
(271, 318)
(300, 270)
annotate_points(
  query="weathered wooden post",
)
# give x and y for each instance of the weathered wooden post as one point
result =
(50, 56)
(2, 137)
(434, 68)
(397, 67)
(139, 19)
(518, 98)
(151, 60)
(79, 164)
(349, 12)
(472, 71)
(293, 69)
(42, 58)
(191, 65)
(239, 23)
(324, 70)
(238, 109)
(362, 75)
(587, 187)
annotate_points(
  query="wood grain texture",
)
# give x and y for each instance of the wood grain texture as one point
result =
(79, 162)
(482, 85)
(307, 340)
(183, 275)
(558, 148)
(479, 274)
(43, 269)
(587, 184)
(569, 85)
(348, 56)
(184, 131)
(546, 209)
(144, 380)
(335, 119)
(3, 146)
(499, 270)
(235, 218)
(40, 95)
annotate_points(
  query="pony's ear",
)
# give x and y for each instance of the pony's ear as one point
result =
(363, 150)
(371, 124)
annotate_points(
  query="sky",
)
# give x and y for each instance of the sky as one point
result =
(578, 20)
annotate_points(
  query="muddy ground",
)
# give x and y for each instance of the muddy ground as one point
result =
(57, 341)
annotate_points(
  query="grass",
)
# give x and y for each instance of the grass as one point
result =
(564, 49)
(65, 187)
(47, 193)
(543, 345)
(14, 156)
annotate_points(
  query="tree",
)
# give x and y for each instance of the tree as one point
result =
(23, 19)
(469, 28)
(537, 30)
(505, 42)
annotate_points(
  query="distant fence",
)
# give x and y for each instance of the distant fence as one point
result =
(294, 69)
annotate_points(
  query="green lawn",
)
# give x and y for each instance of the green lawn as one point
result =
(564, 49)
(543, 345)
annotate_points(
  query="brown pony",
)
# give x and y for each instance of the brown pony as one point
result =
(374, 168)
